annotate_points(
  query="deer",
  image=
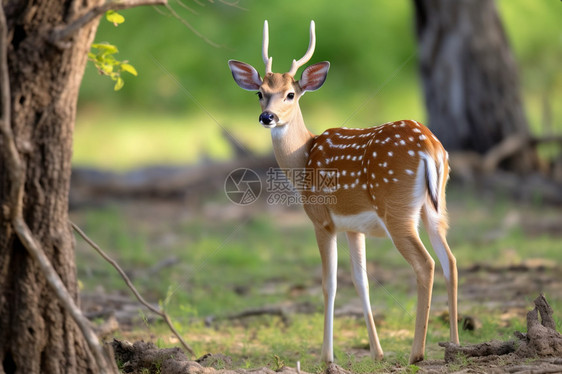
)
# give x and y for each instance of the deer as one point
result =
(387, 178)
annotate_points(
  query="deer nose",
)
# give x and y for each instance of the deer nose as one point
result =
(267, 118)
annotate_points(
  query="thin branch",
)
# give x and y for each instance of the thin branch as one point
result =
(16, 171)
(153, 309)
(64, 32)
(233, 4)
(161, 12)
(180, 3)
(190, 27)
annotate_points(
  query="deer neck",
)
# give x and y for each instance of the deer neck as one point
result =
(291, 143)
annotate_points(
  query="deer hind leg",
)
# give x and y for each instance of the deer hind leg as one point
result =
(436, 227)
(356, 242)
(408, 243)
(328, 252)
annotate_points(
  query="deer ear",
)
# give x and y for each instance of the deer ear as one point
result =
(245, 75)
(313, 77)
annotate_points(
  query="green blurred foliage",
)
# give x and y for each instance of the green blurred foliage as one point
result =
(371, 43)
(371, 46)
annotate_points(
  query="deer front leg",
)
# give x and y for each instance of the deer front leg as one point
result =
(357, 255)
(329, 253)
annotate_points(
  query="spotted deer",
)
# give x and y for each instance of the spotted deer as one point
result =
(387, 177)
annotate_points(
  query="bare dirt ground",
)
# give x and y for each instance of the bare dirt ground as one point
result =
(510, 289)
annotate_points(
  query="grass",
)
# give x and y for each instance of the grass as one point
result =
(266, 257)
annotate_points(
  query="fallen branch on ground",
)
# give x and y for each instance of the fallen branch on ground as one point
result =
(161, 182)
(469, 164)
(150, 307)
(268, 310)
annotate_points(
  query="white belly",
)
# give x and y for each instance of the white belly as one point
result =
(367, 222)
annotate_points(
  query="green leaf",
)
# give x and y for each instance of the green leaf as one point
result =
(129, 69)
(106, 68)
(119, 84)
(114, 17)
(106, 48)
(109, 59)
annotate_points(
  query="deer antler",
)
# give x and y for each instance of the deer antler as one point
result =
(311, 45)
(266, 59)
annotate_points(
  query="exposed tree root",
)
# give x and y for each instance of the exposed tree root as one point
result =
(494, 347)
(541, 339)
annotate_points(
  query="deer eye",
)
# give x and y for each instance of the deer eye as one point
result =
(290, 95)
(260, 95)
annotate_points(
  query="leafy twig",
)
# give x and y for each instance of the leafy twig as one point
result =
(108, 65)
(153, 309)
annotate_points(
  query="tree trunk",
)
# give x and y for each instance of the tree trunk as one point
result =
(469, 77)
(37, 335)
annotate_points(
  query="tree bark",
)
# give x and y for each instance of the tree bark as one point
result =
(470, 77)
(37, 335)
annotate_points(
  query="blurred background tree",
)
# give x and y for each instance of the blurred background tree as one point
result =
(470, 77)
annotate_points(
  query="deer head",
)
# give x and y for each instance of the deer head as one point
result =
(278, 93)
